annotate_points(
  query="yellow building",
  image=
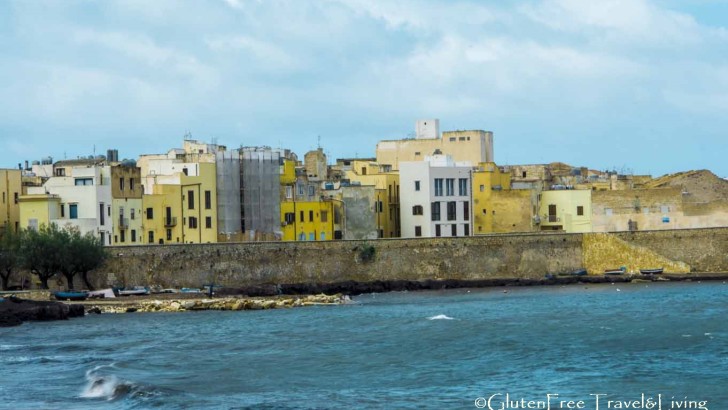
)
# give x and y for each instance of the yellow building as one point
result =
(11, 188)
(386, 186)
(307, 221)
(566, 210)
(493, 212)
(37, 210)
(182, 207)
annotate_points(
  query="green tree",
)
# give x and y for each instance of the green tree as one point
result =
(42, 252)
(89, 254)
(70, 240)
(9, 254)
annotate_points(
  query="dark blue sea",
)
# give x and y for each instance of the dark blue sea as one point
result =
(631, 343)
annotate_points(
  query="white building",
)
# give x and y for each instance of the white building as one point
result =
(84, 188)
(435, 198)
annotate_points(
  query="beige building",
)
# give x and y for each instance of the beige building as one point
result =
(473, 146)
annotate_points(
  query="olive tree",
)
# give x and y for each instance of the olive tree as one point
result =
(42, 252)
(9, 254)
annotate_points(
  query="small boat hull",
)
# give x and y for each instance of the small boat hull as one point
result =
(613, 272)
(580, 272)
(73, 296)
(651, 271)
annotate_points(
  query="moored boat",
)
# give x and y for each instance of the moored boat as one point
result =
(71, 295)
(135, 291)
(579, 272)
(617, 271)
(655, 271)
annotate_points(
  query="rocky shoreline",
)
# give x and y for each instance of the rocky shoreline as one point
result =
(145, 304)
(14, 311)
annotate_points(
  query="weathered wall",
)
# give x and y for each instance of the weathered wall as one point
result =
(498, 256)
(604, 251)
(481, 257)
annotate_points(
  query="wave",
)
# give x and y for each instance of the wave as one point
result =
(111, 387)
(440, 317)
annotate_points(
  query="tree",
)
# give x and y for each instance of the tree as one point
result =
(42, 252)
(70, 242)
(89, 254)
(9, 254)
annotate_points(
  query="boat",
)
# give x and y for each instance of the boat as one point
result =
(579, 272)
(135, 291)
(655, 271)
(71, 295)
(617, 271)
(102, 294)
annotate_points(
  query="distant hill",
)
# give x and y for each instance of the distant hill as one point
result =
(701, 185)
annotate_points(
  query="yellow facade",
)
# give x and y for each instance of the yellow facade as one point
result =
(307, 221)
(487, 180)
(566, 210)
(126, 205)
(288, 172)
(387, 194)
(38, 210)
(183, 212)
(11, 189)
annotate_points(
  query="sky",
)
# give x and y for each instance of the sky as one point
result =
(637, 86)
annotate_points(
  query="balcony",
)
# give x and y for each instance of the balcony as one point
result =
(123, 223)
(170, 222)
(550, 219)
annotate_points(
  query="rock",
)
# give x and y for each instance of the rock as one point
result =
(188, 304)
(95, 310)
(131, 310)
(14, 311)
(175, 306)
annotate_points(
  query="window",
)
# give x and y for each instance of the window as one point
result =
(380, 206)
(482, 188)
(323, 236)
(208, 222)
(150, 213)
(131, 184)
(301, 216)
(417, 210)
(4, 196)
(132, 213)
(437, 231)
(208, 200)
(452, 139)
(123, 236)
(438, 186)
(580, 210)
(108, 212)
(417, 185)
(454, 230)
(302, 236)
(101, 213)
(324, 217)
(190, 199)
(417, 153)
(311, 190)
(185, 171)
(363, 170)
(73, 211)
(289, 192)
(418, 231)
(485, 211)
(150, 238)
(133, 235)
(63, 213)
(524, 174)
(664, 209)
(311, 236)
(450, 187)
(435, 211)
(451, 210)
(192, 222)
(290, 218)
(463, 186)
(466, 228)
(310, 217)
(60, 172)
(169, 234)
(83, 181)
(300, 189)
(466, 210)
(121, 184)
(461, 139)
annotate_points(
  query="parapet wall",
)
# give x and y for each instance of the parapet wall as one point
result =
(527, 256)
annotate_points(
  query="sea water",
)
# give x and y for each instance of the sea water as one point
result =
(450, 349)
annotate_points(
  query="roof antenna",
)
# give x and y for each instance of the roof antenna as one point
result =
(319, 142)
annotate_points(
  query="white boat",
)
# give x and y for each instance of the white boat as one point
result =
(135, 291)
(103, 293)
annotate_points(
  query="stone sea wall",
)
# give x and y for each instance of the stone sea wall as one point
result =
(511, 256)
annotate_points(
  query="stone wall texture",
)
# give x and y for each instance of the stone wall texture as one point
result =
(527, 256)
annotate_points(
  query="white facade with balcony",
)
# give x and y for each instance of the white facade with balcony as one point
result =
(85, 198)
(435, 198)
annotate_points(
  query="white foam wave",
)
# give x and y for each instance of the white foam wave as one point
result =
(11, 347)
(440, 317)
(107, 387)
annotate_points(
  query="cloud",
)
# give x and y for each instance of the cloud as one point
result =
(267, 54)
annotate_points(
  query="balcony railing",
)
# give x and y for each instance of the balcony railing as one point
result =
(554, 218)
(171, 221)
(123, 223)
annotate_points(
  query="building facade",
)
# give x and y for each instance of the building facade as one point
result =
(436, 198)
